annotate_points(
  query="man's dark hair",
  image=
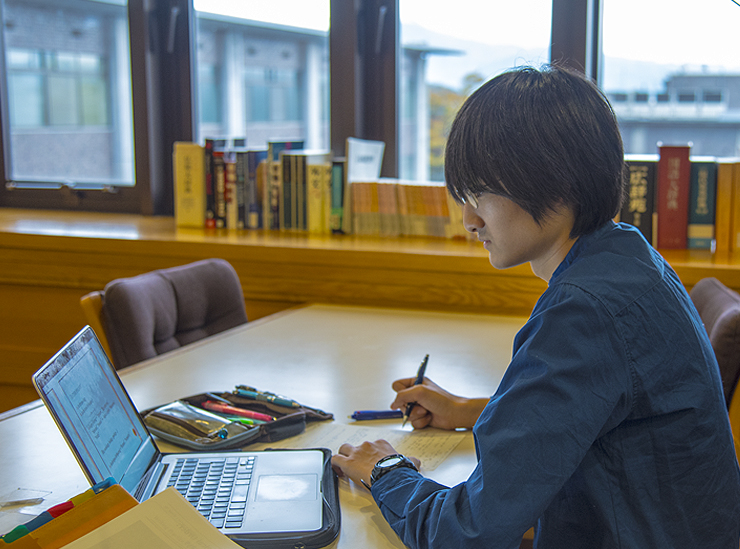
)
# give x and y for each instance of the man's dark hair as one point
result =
(540, 138)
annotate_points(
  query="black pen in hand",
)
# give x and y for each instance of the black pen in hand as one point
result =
(419, 381)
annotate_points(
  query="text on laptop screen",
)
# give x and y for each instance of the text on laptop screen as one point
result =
(95, 413)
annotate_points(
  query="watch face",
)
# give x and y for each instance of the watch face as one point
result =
(391, 461)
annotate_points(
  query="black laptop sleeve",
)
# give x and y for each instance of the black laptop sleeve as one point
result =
(305, 540)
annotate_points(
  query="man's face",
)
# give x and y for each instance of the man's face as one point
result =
(512, 237)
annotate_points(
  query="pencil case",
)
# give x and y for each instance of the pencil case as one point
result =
(192, 422)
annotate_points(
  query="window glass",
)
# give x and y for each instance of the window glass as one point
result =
(68, 69)
(446, 54)
(26, 100)
(268, 69)
(672, 72)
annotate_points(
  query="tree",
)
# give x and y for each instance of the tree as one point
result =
(443, 106)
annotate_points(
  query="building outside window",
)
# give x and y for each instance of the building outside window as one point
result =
(69, 92)
(672, 72)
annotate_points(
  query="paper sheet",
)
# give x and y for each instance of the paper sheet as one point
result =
(431, 446)
(165, 521)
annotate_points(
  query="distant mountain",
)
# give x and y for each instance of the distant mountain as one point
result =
(490, 60)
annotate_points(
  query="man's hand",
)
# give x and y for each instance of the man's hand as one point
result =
(357, 462)
(435, 407)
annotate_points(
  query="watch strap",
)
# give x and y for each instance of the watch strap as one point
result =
(379, 470)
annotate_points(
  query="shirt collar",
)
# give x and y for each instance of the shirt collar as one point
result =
(581, 244)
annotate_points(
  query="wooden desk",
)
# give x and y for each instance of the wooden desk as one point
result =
(336, 358)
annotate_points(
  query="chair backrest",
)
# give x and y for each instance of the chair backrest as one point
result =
(162, 310)
(92, 306)
(719, 308)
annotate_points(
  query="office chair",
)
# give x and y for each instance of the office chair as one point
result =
(152, 313)
(92, 306)
(719, 308)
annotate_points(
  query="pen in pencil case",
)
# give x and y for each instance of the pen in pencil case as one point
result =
(245, 420)
(254, 394)
(233, 410)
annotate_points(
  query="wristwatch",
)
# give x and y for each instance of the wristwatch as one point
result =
(388, 463)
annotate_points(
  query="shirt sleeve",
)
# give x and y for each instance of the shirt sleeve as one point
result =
(568, 382)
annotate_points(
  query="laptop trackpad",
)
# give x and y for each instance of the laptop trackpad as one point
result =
(285, 503)
(287, 487)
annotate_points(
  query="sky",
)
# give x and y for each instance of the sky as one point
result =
(677, 32)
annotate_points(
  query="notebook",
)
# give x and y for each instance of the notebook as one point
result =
(239, 492)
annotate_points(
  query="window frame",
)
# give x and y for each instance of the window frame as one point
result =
(364, 47)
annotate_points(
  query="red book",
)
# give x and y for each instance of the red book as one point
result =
(674, 173)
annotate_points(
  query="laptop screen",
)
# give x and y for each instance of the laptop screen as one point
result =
(82, 391)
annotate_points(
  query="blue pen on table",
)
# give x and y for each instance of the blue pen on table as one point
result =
(363, 415)
(250, 392)
(419, 381)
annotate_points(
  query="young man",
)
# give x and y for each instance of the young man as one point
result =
(609, 428)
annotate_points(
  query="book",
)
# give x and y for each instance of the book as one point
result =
(164, 520)
(674, 170)
(274, 182)
(240, 165)
(254, 186)
(188, 161)
(297, 166)
(210, 206)
(388, 216)
(318, 197)
(703, 189)
(364, 159)
(230, 191)
(218, 166)
(724, 202)
(639, 207)
(337, 195)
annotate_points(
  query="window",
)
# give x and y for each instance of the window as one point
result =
(684, 54)
(712, 96)
(69, 96)
(266, 66)
(92, 73)
(446, 54)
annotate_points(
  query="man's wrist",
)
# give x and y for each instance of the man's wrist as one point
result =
(387, 464)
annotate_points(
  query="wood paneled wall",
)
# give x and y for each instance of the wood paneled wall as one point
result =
(48, 260)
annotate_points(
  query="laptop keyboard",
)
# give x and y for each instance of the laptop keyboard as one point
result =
(217, 487)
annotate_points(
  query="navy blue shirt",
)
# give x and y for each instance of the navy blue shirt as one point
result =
(609, 428)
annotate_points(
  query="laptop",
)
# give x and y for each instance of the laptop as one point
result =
(238, 492)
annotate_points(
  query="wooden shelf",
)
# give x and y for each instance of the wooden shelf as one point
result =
(51, 259)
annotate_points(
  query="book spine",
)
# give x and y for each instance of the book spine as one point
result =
(189, 185)
(346, 201)
(300, 195)
(230, 197)
(723, 209)
(274, 182)
(255, 162)
(210, 216)
(315, 199)
(337, 196)
(702, 205)
(286, 194)
(639, 206)
(219, 188)
(242, 189)
(326, 197)
(673, 196)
